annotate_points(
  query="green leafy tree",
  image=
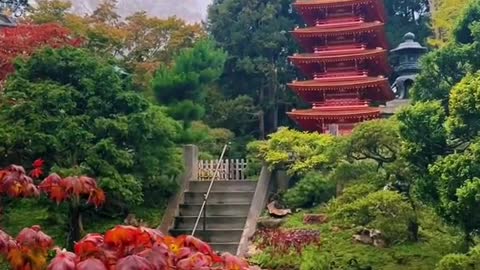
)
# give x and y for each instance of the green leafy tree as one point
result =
(379, 141)
(346, 173)
(72, 109)
(407, 16)
(470, 15)
(48, 11)
(421, 127)
(312, 189)
(463, 121)
(458, 187)
(387, 211)
(444, 68)
(183, 86)
(469, 261)
(237, 114)
(454, 262)
(444, 15)
(353, 193)
(376, 140)
(255, 35)
(297, 152)
(441, 70)
(210, 140)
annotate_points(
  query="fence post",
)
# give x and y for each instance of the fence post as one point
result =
(228, 169)
(190, 159)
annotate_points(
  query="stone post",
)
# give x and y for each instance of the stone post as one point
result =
(190, 172)
(190, 160)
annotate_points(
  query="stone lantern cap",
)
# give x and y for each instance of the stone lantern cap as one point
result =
(5, 21)
(409, 44)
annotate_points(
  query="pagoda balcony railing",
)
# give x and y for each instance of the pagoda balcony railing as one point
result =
(344, 95)
(340, 22)
(338, 129)
(341, 103)
(337, 76)
(341, 48)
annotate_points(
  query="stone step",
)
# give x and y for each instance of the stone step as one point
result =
(223, 186)
(230, 247)
(220, 210)
(211, 235)
(235, 197)
(213, 222)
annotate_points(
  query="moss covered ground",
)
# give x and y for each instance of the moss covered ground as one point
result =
(337, 250)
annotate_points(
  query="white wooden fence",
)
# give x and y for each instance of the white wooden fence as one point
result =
(230, 169)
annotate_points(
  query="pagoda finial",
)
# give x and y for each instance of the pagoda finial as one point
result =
(409, 36)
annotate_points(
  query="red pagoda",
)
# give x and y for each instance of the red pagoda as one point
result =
(345, 63)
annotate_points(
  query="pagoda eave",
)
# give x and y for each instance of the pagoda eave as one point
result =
(315, 120)
(307, 36)
(344, 114)
(331, 3)
(373, 88)
(365, 27)
(377, 56)
(308, 6)
(368, 54)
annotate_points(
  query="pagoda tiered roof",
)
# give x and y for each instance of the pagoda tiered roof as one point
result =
(323, 113)
(309, 9)
(309, 62)
(375, 30)
(316, 119)
(369, 87)
(345, 62)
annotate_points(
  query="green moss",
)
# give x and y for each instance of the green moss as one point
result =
(28, 212)
(337, 248)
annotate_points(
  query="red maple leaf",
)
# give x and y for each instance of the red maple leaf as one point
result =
(134, 262)
(34, 238)
(63, 261)
(91, 264)
(36, 172)
(25, 39)
(38, 163)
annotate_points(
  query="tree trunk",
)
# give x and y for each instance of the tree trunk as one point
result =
(468, 241)
(413, 225)
(74, 225)
(274, 98)
(261, 114)
(339, 188)
(261, 125)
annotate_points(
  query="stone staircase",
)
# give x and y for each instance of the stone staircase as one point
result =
(226, 212)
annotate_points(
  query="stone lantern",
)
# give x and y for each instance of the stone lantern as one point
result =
(406, 66)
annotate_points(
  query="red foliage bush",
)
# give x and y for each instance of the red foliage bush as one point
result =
(25, 39)
(73, 187)
(15, 183)
(28, 251)
(122, 248)
(286, 240)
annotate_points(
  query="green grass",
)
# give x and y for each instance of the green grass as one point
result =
(53, 219)
(437, 240)
(19, 214)
(28, 212)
